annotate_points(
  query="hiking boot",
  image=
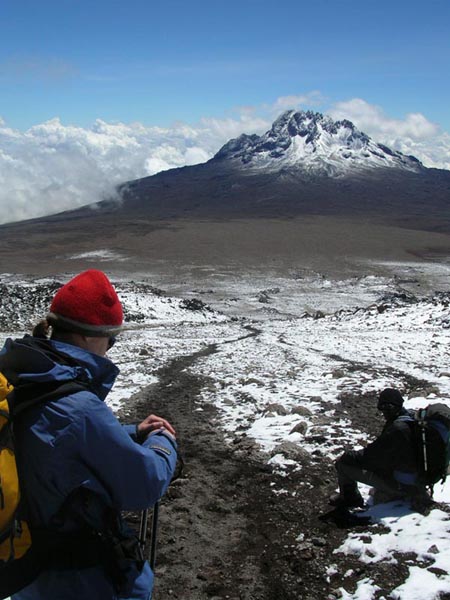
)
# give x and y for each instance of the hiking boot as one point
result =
(343, 518)
(421, 501)
(347, 500)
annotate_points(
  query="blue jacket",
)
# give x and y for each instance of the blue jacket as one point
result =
(76, 442)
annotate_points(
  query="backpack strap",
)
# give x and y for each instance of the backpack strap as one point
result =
(22, 397)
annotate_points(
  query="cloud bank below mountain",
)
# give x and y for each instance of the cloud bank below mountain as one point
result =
(53, 167)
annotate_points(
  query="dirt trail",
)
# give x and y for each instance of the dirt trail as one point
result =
(223, 532)
(229, 527)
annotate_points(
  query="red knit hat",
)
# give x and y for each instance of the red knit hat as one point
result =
(87, 304)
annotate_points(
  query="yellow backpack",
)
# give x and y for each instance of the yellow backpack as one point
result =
(20, 560)
(15, 538)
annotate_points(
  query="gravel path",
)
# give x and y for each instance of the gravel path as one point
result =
(224, 530)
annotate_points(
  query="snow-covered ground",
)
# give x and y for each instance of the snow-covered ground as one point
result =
(285, 354)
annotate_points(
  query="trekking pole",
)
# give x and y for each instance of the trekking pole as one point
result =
(143, 529)
(423, 434)
(424, 440)
(153, 536)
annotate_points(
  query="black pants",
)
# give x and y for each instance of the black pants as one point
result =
(349, 475)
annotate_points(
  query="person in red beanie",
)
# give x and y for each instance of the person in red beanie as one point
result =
(89, 310)
(79, 466)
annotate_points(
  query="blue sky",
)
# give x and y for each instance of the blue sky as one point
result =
(158, 62)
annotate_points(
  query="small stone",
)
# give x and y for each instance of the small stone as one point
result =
(292, 451)
(338, 374)
(306, 551)
(437, 571)
(252, 380)
(301, 410)
(320, 542)
(278, 409)
(301, 427)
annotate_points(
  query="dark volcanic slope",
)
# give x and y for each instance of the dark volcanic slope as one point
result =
(210, 214)
(217, 189)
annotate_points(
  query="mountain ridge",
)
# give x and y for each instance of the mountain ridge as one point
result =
(310, 141)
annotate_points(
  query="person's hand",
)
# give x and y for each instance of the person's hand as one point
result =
(154, 423)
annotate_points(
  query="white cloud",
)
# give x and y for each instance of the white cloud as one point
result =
(282, 103)
(414, 134)
(54, 167)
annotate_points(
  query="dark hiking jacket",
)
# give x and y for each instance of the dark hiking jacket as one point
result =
(392, 454)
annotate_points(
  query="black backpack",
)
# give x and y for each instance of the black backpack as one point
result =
(432, 438)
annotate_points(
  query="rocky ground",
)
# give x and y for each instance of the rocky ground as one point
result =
(243, 391)
(225, 532)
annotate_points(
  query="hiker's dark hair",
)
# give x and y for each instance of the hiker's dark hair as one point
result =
(44, 330)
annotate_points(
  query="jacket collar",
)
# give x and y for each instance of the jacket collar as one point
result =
(32, 360)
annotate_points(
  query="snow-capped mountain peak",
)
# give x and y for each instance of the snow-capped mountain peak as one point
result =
(312, 142)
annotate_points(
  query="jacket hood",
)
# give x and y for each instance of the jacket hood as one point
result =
(34, 360)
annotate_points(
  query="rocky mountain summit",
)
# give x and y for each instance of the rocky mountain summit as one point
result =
(314, 143)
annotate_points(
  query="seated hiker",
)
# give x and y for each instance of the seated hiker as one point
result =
(388, 464)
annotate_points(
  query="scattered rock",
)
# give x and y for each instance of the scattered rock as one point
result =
(194, 304)
(278, 409)
(301, 410)
(263, 297)
(250, 381)
(338, 373)
(305, 551)
(292, 451)
(437, 571)
(318, 439)
(425, 391)
(301, 427)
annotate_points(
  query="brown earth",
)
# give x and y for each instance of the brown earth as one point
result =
(331, 245)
